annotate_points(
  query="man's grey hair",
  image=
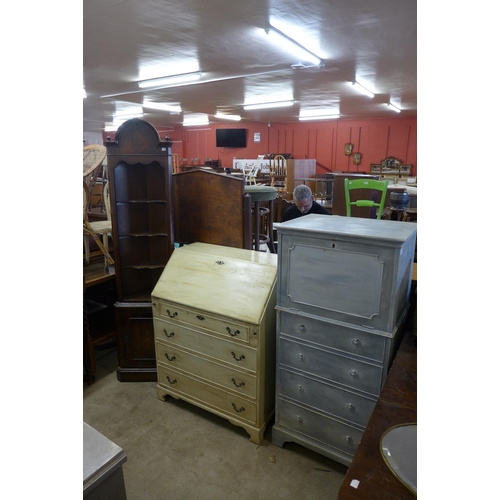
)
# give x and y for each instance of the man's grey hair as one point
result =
(302, 192)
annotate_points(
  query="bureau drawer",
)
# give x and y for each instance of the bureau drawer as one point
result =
(326, 430)
(359, 375)
(230, 329)
(209, 397)
(324, 397)
(225, 376)
(335, 336)
(206, 345)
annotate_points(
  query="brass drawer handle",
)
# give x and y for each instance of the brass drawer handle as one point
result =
(236, 409)
(170, 381)
(169, 335)
(236, 332)
(170, 315)
(356, 342)
(200, 317)
(302, 328)
(354, 373)
(348, 439)
(242, 357)
(299, 419)
(169, 358)
(350, 407)
(241, 384)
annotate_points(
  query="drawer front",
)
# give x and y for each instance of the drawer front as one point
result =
(322, 428)
(332, 367)
(210, 372)
(197, 392)
(351, 340)
(222, 326)
(209, 346)
(324, 397)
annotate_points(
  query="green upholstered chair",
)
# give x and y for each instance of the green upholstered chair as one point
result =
(374, 185)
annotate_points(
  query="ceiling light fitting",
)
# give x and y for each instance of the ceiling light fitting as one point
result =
(236, 118)
(319, 117)
(394, 108)
(264, 105)
(192, 122)
(292, 46)
(167, 81)
(362, 89)
(161, 107)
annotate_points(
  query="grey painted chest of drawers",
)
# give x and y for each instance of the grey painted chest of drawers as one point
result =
(343, 294)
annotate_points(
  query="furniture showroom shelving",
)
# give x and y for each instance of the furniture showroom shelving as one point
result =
(343, 294)
(215, 325)
(140, 176)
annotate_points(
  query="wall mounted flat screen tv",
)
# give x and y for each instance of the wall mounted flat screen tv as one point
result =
(231, 137)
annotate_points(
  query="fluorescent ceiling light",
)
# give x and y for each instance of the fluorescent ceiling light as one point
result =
(292, 46)
(394, 108)
(264, 105)
(362, 89)
(162, 107)
(236, 118)
(166, 81)
(319, 116)
(189, 122)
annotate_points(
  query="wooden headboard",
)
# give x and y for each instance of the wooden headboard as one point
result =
(391, 166)
(211, 208)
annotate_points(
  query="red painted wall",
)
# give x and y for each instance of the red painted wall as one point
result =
(324, 141)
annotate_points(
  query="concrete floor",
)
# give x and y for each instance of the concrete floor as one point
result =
(177, 451)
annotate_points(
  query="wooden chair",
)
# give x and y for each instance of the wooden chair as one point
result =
(100, 228)
(195, 162)
(93, 157)
(88, 231)
(278, 172)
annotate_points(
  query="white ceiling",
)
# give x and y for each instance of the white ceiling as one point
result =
(372, 41)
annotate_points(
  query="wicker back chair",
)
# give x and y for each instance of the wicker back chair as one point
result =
(93, 157)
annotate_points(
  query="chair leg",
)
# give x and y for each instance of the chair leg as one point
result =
(86, 244)
(106, 247)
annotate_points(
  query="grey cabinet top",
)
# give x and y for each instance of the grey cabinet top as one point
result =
(350, 228)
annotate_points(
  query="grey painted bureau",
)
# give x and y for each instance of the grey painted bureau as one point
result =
(343, 294)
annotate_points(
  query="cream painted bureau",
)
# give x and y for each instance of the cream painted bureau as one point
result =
(343, 294)
(215, 332)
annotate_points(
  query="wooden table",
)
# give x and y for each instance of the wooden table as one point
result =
(397, 405)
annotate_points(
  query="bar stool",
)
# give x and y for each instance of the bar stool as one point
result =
(262, 215)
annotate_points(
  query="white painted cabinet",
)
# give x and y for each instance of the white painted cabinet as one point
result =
(343, 294)
(215, 324)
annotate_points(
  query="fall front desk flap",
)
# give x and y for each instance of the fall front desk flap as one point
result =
(232, 282)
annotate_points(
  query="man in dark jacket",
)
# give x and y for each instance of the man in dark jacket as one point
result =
(304, 204)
